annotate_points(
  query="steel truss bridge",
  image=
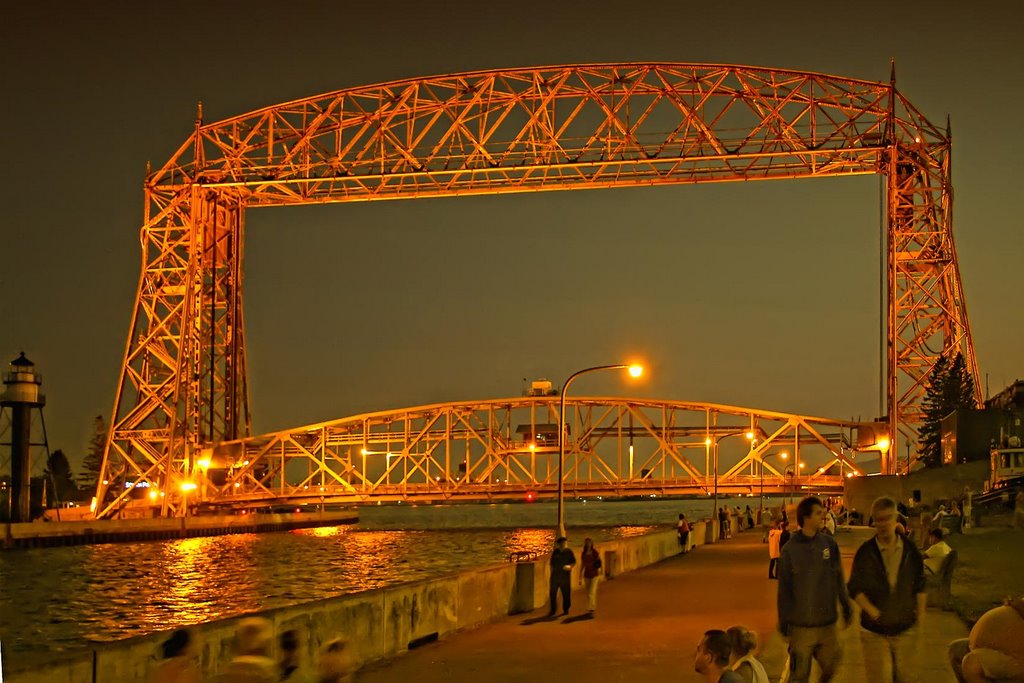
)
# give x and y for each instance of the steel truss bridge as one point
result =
(183, 384)
(508, 448)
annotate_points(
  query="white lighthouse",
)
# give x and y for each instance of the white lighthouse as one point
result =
(21, 396)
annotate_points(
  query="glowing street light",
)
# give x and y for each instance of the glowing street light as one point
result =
(634, 371)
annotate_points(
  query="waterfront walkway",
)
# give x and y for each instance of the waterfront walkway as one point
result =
(647, 626)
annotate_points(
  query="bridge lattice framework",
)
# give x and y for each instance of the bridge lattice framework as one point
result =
(508, 449)
(183, 380)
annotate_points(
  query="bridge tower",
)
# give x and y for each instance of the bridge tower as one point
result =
(183, 380)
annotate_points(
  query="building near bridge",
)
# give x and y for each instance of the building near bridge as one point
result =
(970, 435)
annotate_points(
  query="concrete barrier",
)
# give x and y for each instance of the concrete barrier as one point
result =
(41, 534)
(378, 624)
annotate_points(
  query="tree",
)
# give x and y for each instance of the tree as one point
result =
(950, 387)
(93, 461)
(58, 474)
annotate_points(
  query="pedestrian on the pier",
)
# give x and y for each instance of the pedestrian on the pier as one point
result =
(740, 521)
(335, 664)
(562, 562)
(750, 517)
(712, 658)
(811, 592)
(178, 660)
(590, 566)
(887, 581)
(723, 521)
(252, 663)
(774, 549)
(683, 530)
(290, 665)
(728, 522)
(742, 660)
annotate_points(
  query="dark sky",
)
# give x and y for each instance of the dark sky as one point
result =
(759, 294)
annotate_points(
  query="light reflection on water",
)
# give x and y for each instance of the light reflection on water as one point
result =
(57, 598)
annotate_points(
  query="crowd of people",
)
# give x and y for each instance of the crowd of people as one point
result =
(253, 661)
(814, 601)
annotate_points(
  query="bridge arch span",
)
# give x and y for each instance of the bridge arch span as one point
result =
(507, 448)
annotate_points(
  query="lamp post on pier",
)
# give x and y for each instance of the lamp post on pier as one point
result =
(785, 473)
(783, 455)
(634, 371)
(714, 443)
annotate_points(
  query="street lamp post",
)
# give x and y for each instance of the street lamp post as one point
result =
(782, 456)
(635, 371)
(750, 437)
(785, 473)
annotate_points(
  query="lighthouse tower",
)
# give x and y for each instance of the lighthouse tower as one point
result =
(21, 396)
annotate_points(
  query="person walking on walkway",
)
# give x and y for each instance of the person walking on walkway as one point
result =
(252, 662)
(562, 562)
(811, 586)
(590, 565)
(178, 664)
(335, 664)
(289, 664)
(749, 514)
(742, 661)
(683, 529)
(774, 549)
(722, 521)
(712, 658)
(887, 581)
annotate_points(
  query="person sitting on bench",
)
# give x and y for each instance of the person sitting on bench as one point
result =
(937, 551)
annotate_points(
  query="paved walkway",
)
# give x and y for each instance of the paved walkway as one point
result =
(647, 626)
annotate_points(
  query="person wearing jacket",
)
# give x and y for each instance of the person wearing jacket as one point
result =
(887, 581)
(811, 591)
(562, 562)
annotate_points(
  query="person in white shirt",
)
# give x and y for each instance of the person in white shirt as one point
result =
(774, 549)
(937, 551)
(940, 514)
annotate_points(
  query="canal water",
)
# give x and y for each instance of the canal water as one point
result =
(58, 599)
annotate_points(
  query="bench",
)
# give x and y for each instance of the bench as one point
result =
(939, 586)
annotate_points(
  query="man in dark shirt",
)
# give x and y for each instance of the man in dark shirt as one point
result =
(562, 562)
(887, 581)
(811, 584)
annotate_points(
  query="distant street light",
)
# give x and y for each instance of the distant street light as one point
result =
(634, 371)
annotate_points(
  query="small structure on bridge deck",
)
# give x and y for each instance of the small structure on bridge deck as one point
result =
(21, 396)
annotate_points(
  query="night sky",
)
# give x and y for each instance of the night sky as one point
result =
(756, 294)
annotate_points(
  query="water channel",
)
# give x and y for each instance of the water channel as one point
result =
(57, 599)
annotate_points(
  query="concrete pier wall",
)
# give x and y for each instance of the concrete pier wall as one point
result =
(378, 624)
(43, 534)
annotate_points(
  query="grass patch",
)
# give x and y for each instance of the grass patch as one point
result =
(990, 568)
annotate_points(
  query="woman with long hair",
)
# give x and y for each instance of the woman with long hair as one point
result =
(590, 562)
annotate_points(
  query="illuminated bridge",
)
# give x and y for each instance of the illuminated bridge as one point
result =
(508, 449)
(183, 389)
